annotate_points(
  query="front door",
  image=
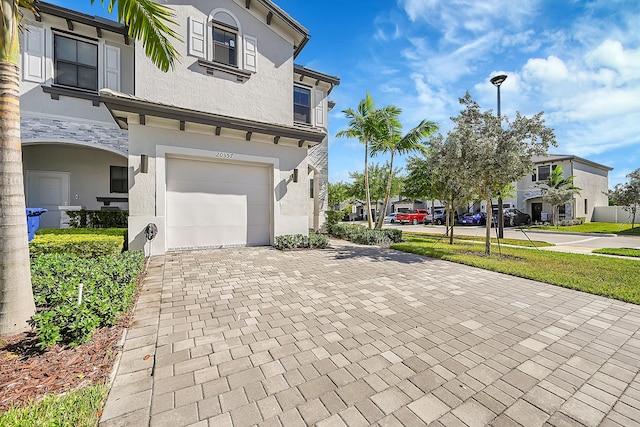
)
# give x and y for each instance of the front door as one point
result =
(536, 209)
(46, 189)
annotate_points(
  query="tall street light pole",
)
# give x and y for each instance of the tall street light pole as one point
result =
(497, 82)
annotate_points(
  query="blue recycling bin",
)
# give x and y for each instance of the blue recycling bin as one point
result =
(33, 220)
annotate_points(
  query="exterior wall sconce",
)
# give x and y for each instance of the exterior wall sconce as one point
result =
(144, 163)
(294, 175)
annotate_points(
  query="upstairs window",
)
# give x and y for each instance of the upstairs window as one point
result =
(224, 45)
(76, 63)
(301, 105)
(544, 172)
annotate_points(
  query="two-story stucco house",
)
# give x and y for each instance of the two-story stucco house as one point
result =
(229, 148)
(591, 177)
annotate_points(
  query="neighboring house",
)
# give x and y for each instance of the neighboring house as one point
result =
(73, 151)
(227, 149)
(591, 177)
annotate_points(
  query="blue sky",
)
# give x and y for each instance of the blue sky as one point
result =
(578, 61)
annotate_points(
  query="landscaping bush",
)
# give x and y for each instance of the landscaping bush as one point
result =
(299, 241)
(108, 286)
(333, 218)
(98, 219)
(81, 245)
(364, 236)
(99, 231)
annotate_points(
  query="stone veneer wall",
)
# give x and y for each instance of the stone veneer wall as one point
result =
(43, 129)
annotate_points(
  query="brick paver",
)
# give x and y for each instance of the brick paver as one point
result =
(355, 336)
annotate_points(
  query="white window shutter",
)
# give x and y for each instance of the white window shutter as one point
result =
(197, 34)
(250, 53)
(320, 107)
(33, 55)
(112, 67)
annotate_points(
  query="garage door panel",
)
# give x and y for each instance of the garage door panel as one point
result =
(217, 204)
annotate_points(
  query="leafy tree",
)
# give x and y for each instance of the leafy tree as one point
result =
(558, 190)
(378, 178)
(451, 180)
(338, 193)
(146, 21)
(362, 125)
(495, 156)
(628, 195)
(392, 142)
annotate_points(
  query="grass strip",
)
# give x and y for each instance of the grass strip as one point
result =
(460, 237)
(619, 251)
(79, 408)
(608, 277)
(594, 227)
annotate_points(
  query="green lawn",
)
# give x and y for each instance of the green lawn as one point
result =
(78, 408)
(619, 251)
(479, 239)
(594, 227)
(609, 277)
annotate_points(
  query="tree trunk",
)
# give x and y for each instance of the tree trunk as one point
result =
(387, 194)
(487, 243)
(16, 295)
(366, 183)
(451, 219)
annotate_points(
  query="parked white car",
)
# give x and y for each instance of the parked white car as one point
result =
(391, 218)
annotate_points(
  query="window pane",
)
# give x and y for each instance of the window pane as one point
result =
(87, 54)
(87, 78)
(301, 105)
(119, 180)
(301, 114)
(66, 74)
(543, 173)
(65, 49)
(224, 46)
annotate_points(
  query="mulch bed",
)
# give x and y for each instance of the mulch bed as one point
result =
(29, 373)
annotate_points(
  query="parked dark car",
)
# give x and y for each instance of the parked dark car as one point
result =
(513, 217)
(439, 216)
(477, 218)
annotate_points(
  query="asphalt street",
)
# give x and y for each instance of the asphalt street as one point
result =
(578, 243)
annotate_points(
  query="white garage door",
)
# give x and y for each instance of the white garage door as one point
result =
(217, 204)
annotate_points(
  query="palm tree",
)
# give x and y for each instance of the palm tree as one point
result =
(146, 21)
(558, 190)
(391, 141)
(363, 127)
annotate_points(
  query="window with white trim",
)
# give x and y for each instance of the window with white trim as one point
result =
(301, 105)
(75, 63)
(219, 40)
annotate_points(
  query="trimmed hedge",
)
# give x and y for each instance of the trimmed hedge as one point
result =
(108, 286)
(98, 219)
(333, 218)
(298, 241)
(80, 245)
(364, 236)
(101, 231)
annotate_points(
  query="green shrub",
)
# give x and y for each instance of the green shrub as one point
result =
(98, 219)
(319, 241)
(108, 287)
(100, 231)
(300, 241)
(333, 218)
(364, 236)
(81, 245)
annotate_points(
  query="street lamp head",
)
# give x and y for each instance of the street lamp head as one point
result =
(498, 80)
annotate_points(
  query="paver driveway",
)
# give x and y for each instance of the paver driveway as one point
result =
(359, 336)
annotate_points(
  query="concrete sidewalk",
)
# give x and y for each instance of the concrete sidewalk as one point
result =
(362, 336)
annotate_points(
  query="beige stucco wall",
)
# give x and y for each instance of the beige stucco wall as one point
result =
(160, 139)
(266, 96)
